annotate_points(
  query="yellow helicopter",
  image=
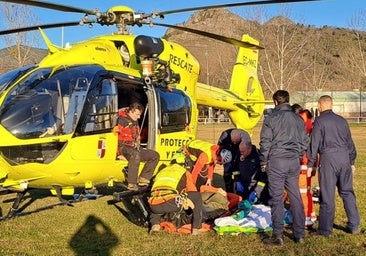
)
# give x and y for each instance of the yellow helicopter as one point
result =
(57, 117)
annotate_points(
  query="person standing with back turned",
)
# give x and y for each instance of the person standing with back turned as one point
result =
(331, 138)
(283, 141)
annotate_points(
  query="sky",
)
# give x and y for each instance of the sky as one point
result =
(337, 13)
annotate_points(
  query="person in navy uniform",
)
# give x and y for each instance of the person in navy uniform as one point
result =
(250, 181)
(283, 141)
(230, 140)
(331, 139)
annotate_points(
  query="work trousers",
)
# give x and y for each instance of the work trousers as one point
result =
(134, 157)
(335, 172)
(170, 206)
(283, 174)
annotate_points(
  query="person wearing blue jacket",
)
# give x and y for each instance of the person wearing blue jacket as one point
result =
(283, 141)
(331, 139)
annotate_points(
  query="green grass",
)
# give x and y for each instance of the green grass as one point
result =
(95, 227)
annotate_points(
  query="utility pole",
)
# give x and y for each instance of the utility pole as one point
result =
(360, 103)
(207, 72)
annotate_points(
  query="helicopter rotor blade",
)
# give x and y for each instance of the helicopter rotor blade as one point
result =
(58, 7)
(53, 25)
(225, 39)
(262, 2)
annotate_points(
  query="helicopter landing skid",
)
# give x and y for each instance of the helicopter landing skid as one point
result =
(137, 198)
(14, 208)
(118, 196)
(58, 190)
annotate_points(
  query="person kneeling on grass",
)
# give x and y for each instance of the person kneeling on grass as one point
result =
(174, 191)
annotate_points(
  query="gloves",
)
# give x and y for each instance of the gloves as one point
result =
(239, 187)
(253, 198)
(309, 172)
(264, 167)
(187, 203)
(115, 130)
(208, 182)
(227, 168)
(353, 168)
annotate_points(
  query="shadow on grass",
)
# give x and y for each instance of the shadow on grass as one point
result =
(137, 212)
(93, 238)
(33, 195)
(27, 200)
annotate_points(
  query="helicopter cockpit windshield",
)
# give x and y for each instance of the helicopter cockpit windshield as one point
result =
(7, 78)
(47, 102)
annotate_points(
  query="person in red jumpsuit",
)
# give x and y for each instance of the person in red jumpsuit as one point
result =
(305, 179)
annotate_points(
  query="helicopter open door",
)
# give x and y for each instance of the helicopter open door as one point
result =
(168, 114)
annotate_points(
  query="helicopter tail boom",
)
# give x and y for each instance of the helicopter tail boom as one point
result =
(244, 101)
(245, 84)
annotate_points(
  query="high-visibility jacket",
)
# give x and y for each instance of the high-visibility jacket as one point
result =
(203, 153)
(304, 180)
(169, 183)
(128, 130)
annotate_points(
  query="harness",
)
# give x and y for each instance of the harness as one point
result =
(165, 186)
(129, 135)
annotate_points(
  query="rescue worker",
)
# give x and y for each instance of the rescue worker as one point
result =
(283, 141)
(331, 139)
(205, 156)
(296, 108)
(250, 180)
(305, 178)
(128, 130)
(174, 191)
(230, 140)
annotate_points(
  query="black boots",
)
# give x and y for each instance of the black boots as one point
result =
(273, 240)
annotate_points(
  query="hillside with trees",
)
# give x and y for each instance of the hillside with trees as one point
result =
(296, 57)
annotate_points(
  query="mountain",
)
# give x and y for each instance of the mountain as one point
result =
(296, 57)
(29, 56)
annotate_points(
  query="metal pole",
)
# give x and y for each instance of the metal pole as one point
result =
(207, 72)
(360, 103)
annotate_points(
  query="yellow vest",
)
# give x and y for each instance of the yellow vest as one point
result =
(196, 146)
(169, 177)
(166, 183)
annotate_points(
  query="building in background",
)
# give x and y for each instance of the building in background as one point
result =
(349, 104)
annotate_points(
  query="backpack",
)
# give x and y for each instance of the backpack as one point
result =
(214, 201)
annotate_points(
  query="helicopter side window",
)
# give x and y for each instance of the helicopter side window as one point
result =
(29, 110)
(47, 102)
(102, 107)
(175, 110)
(7, 78)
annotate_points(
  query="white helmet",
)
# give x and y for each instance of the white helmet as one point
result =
(226, 156)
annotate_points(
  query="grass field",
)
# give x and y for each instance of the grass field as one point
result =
(94, 227)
